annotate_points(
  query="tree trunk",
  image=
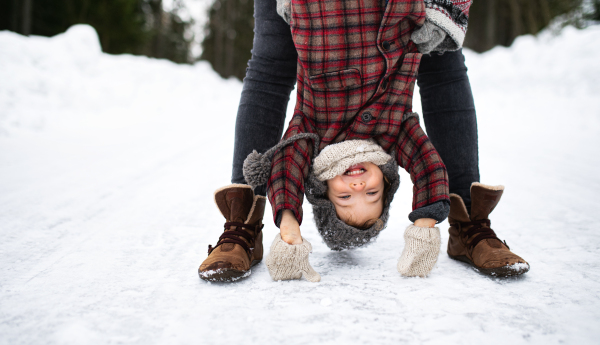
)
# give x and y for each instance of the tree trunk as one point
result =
(25, 28)
(545, 10)
(230, 38)
(14, 18)
(490, 27)
(219, 28)
(515, 15)
(158, 45)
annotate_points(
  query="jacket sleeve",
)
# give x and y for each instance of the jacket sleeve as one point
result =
(452, 16)
(289, 169)
(420, 159)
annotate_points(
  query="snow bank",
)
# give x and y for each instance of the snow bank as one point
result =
(107, 168)
(66, 81)
(567, 62)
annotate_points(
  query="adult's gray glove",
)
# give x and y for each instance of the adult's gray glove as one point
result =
(284, 9)
(290, 261)
(431, 37)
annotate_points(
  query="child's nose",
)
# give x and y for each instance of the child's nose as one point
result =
(358, 186)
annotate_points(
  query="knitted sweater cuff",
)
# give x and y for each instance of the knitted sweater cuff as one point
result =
(456, 32)
(438, 211)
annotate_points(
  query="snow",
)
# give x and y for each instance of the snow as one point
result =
(107, 168)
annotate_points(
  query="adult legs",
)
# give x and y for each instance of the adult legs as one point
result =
(270, 77)
(449, 113)
(450, 119)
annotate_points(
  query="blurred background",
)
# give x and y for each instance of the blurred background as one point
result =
(108, 164)
(220, 31)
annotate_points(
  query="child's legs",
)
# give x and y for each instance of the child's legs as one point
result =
(450, 120)
(270, 77)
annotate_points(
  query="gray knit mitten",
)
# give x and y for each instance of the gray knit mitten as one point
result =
(289, 261)
(421, 250)
(428, 37)
(284, 9)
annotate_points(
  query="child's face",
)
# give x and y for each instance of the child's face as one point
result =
(357, 194)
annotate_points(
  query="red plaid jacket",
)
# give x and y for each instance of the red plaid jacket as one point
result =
(356, 73)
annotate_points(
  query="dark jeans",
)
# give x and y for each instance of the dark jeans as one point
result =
(448, 107)
(450, 120)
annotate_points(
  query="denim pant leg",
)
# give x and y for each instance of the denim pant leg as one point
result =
(270, 77)
(450, 120)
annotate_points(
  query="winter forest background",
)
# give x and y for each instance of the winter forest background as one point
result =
(110, 154)
(220, 31)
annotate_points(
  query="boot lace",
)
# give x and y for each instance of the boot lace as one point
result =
(481, 228)
(233, 236)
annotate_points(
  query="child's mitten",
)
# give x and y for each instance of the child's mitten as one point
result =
(289, 261)
(421, 249)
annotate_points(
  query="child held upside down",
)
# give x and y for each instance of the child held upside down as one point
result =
(356, 72)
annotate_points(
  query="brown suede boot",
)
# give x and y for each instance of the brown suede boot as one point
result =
(240, 246)
(473, 241)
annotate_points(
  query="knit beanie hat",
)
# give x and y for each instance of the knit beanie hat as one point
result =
(337, 158)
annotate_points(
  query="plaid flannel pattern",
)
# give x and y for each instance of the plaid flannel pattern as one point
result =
(356, 73)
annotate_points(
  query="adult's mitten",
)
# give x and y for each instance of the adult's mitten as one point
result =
(284, 9)
(421, 250)
(428, 38)
(289, 261)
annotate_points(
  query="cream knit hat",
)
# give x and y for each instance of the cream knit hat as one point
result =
(335, 159)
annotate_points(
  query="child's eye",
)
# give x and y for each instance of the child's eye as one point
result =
(372, 193)
(345, 197)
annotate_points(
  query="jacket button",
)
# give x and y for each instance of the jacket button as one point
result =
(385, 45)
(366, 117)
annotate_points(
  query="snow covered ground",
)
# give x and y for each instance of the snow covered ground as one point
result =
(107, 168)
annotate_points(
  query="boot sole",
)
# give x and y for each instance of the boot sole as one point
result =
(504, 271)
(226, 275)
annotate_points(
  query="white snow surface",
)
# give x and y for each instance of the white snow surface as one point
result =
(107, 169)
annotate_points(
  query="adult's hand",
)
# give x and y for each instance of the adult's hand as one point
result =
(428, 37)
(284, 9)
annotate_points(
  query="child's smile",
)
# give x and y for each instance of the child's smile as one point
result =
(355, 170)
(357, 194)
